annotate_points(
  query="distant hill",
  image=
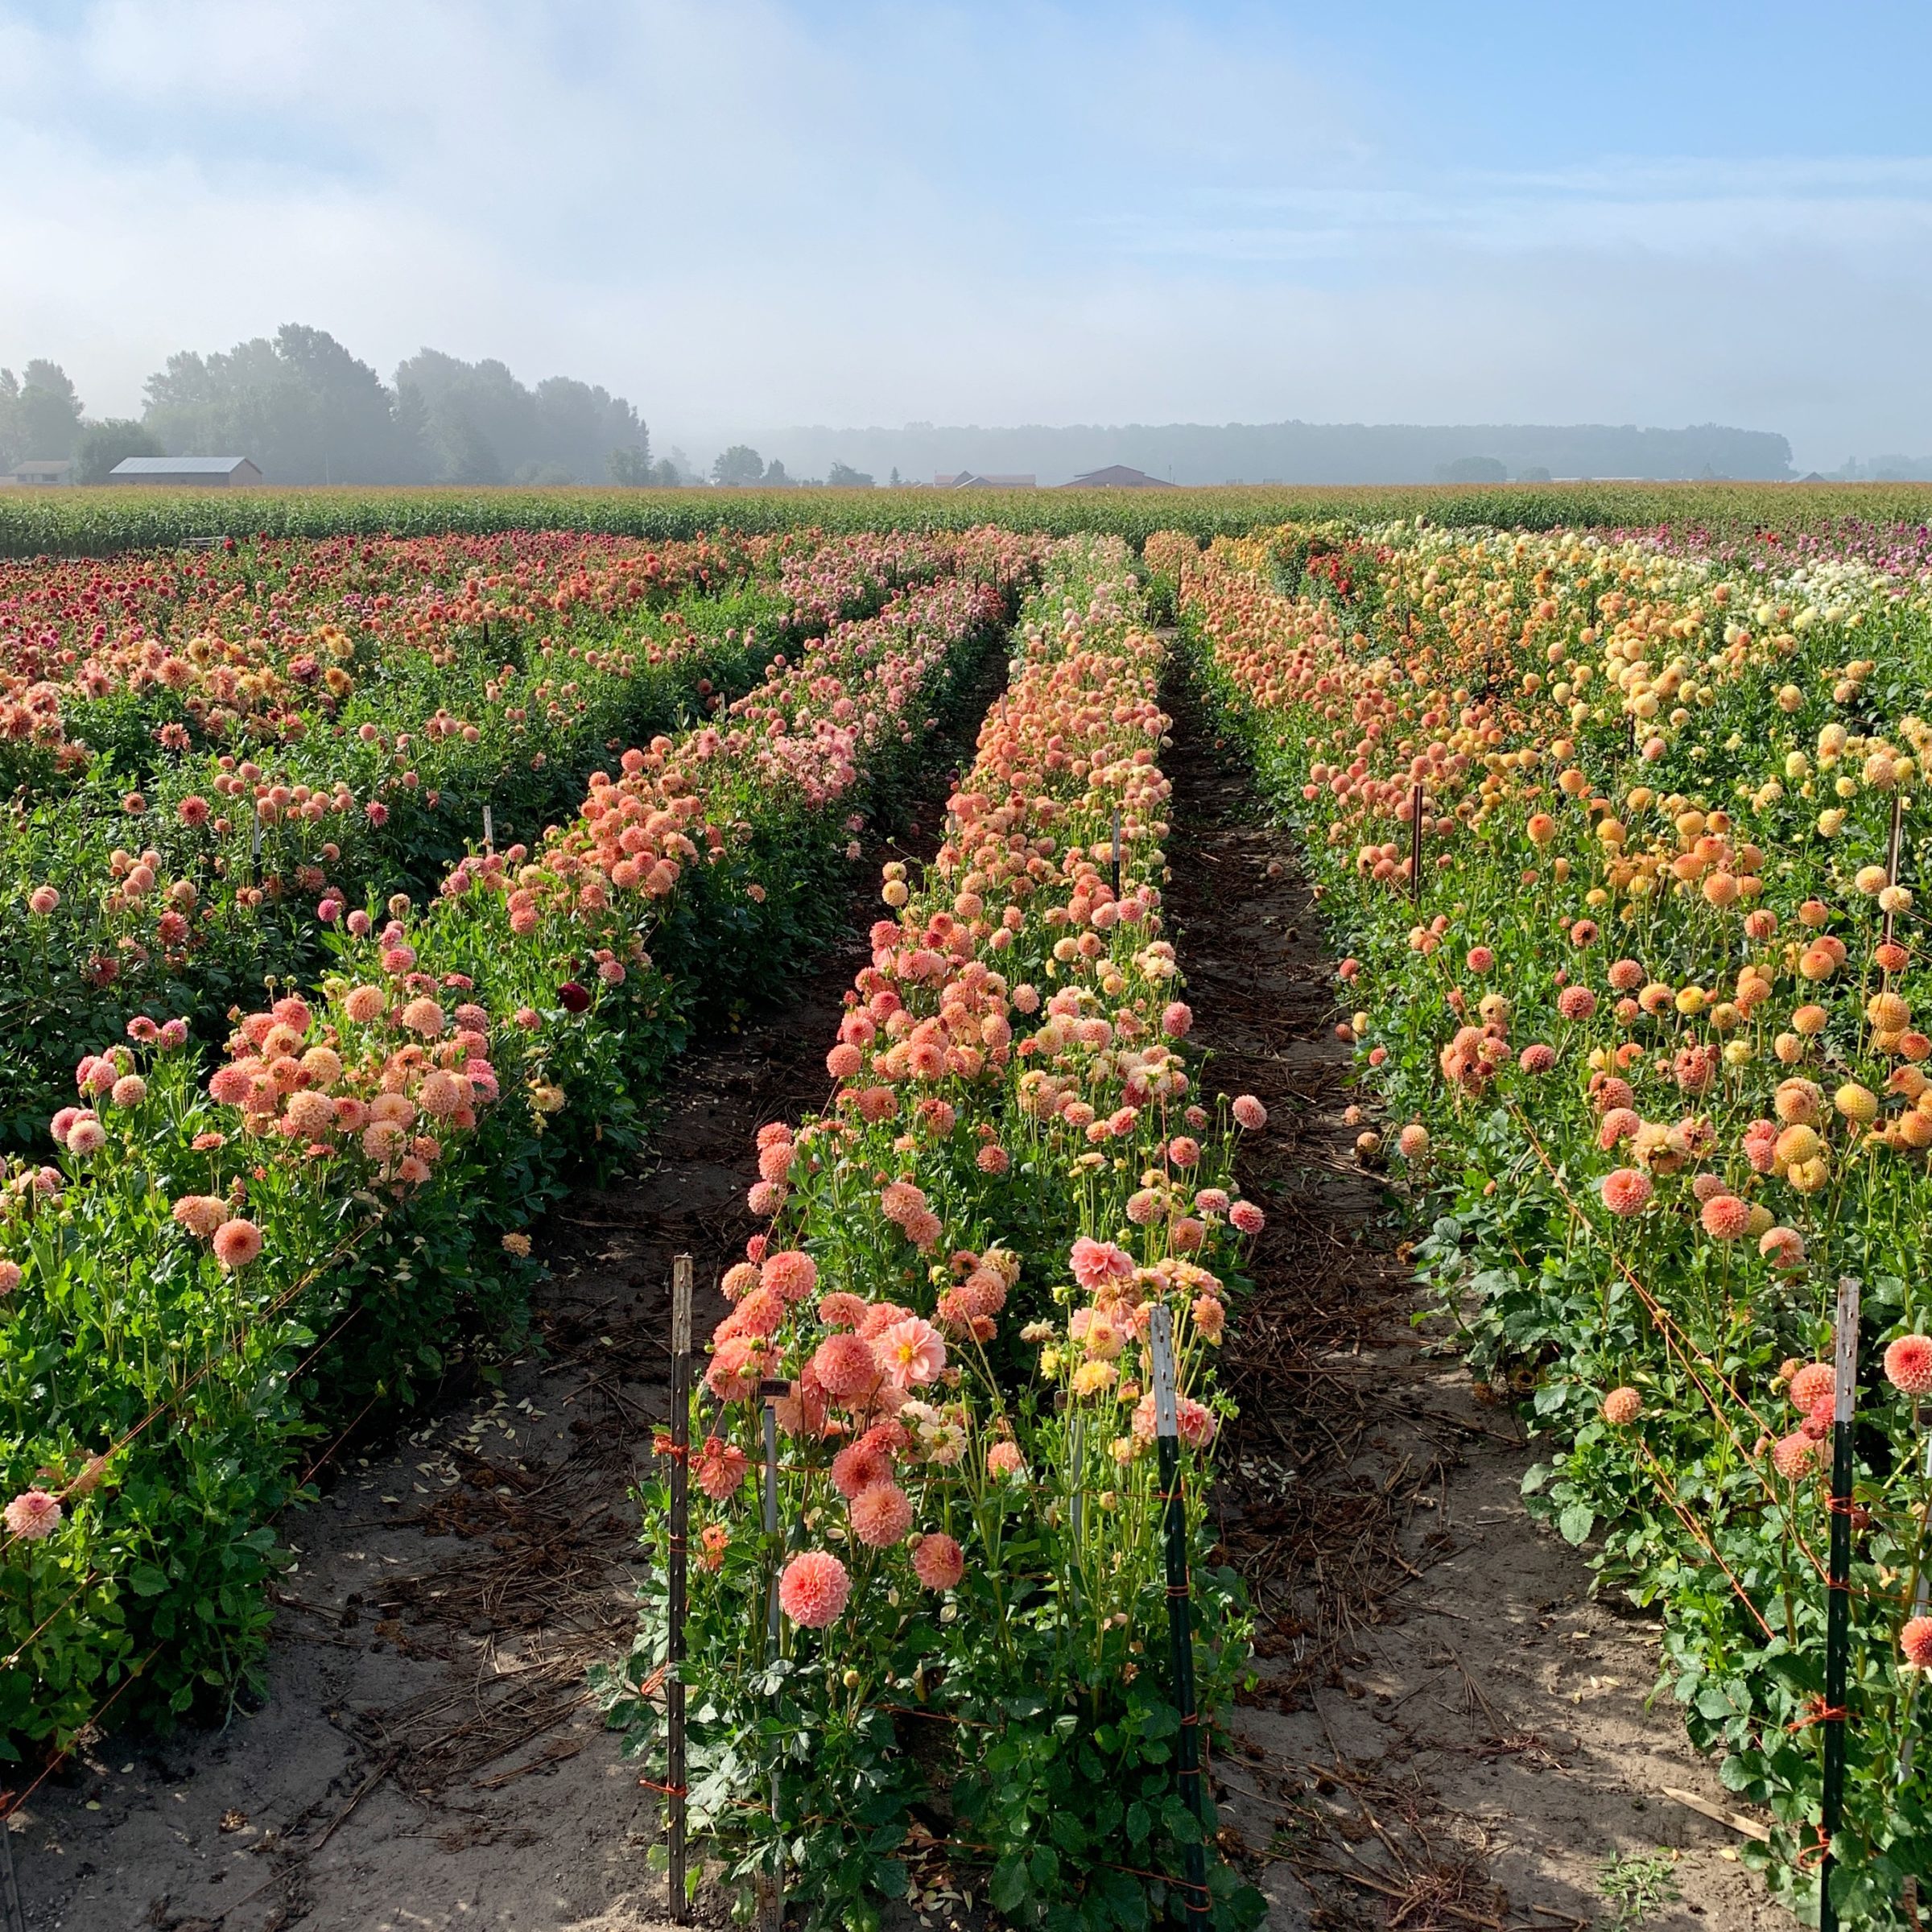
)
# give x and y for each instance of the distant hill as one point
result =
(1289, 453)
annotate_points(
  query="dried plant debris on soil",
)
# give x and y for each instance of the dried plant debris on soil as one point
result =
(1445, 1730)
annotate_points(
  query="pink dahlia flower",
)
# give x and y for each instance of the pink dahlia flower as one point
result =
(846, 1367)
(1814, 1380)
(860, 1465)
(237, 1243)
(1725, 1217)
(1627, 1190)
(1095, 1263)
(939, 1563)
(1915, 1641)
(719, 1468)
(33, 1514)
(200, 1214)
(1622, 1406)
(1908, 1365)
(791, 1273)
(813, 1589)
(882, 1514)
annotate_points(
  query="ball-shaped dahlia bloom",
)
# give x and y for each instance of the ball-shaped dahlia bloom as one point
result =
(1908, 1365)
(882, 1514)
(813, 1589)
(1622, 1406)
(939, 1563)
(846, 1367)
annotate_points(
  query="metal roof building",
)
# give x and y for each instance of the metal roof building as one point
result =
(205, 473)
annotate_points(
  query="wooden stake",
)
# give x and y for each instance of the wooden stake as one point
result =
(1415, 842)
(679, 1553)
(1898, 820)
(489, 831)
(1838, 1601)
(1180, 1624)
(1116, 853)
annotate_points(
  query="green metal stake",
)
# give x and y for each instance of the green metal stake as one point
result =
(1180, 1631)
(680, 1560)
(772, 1903)
(1838, 1603)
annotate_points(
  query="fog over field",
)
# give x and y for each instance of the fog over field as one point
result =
(751, 214)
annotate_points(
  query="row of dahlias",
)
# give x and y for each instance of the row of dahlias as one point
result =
(207, 1270)
(131, 658)
(1653, 1028)
(157, 893)
(964, 1251)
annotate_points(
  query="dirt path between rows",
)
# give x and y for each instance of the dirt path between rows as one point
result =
(428, 1755)
(1446, 1731)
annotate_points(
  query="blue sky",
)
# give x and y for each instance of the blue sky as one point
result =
(743, 214)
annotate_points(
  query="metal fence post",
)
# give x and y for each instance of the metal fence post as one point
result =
(1180, 1630)
(1838, 1604)
(679, 1555)
(10, 1890)
(773, 1900)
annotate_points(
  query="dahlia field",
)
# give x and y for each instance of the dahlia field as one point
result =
(358, 895)
(1642, 1042)
(312, 1100)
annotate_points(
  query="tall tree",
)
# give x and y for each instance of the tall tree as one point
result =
(103, 445)
(43, 412)
(562, 428)
(301, 407)
(738, 467)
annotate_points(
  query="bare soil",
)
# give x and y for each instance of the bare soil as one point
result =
(1445, 1731)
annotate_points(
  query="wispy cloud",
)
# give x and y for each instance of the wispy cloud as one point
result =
(746, 213)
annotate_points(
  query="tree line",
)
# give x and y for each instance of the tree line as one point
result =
(304, 410)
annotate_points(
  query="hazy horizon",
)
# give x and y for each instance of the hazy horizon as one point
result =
(752, 214)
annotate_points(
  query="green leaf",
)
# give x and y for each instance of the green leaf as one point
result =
(1574, 1523)
(1007, 1889)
